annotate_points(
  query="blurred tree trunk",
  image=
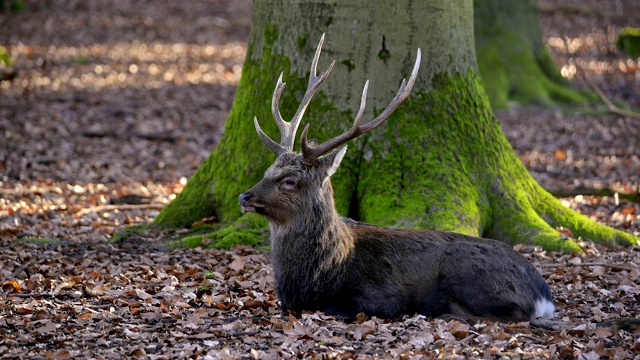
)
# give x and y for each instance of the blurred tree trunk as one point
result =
(441, 161)
(513, 61)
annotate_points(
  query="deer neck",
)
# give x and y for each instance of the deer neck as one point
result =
(317, 239)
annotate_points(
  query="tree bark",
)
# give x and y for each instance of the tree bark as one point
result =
(441, 161)
(513, 61)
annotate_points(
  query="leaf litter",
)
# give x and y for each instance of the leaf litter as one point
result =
(100, 129)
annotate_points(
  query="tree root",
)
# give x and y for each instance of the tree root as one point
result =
(558, 215)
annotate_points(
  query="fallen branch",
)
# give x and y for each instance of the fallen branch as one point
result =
(562, 192)
(610, 105)
(28, 295)
(127, 135)
(33, 190)
(101, 208)
(24, 268)
(603, 264)
(628, 324)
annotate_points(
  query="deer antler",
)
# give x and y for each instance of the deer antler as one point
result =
(288, 129)
(310, 153)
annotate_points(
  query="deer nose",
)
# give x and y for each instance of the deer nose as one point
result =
(245, 198)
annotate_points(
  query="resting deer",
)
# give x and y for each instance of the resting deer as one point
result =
(323, 261)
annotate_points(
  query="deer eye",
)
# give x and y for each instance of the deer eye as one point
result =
(289, 184)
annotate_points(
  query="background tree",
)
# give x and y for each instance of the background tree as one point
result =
(440, 162)
(514, 63)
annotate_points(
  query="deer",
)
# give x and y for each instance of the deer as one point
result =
(323, 261)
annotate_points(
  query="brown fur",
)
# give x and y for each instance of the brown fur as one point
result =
(325, 262)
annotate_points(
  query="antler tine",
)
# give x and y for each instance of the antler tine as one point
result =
(266, 139)
(275, 104)
(282, 125)
(310, 153)
(288, 129)
(314, 84)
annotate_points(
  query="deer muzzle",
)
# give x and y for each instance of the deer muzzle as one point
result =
(246, 204)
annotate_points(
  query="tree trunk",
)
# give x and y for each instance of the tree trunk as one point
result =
(513, 61)
(441, 161)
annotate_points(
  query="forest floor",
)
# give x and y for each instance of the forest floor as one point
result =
(111, 106)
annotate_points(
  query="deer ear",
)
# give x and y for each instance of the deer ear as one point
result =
(333, 159)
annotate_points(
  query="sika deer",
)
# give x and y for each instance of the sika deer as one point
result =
(325, 262)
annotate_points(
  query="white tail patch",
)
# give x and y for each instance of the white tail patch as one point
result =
(544, 309)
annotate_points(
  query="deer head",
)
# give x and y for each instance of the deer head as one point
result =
(296, 183)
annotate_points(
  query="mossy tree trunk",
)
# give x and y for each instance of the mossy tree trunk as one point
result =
(513, 61)
(440, 162)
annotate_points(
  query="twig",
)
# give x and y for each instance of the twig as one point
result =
(561, 192)
(99, 208)
(611, 106)
(245, 333)
(628, 324)
(28, 295)
(613, 266)
(31, 191)
(126, 135)
(530, 337)
(23, 267)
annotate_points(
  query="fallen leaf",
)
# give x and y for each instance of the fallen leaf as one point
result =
(458, 329)
(143, 295)
(48, 327)
(14, 284)
(237, 264)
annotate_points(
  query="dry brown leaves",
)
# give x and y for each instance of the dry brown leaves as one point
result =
(100, 129)
(112, 300)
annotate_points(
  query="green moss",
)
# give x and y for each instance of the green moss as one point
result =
(329, 21)
(131, 233)
(5, 57)
(524, 78)
(496, 81)
(440, 162)
(13, 5)
(208, 287)
(349, 63)
(40, 240)
(629, 41)
(410, 179)
(512, 60)
(428, 175)
(581, 226)
(548, 67)
(384, 54)
(249, 229)
(241, 158)
(80, 60)
(271, 34)
(302, 42)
